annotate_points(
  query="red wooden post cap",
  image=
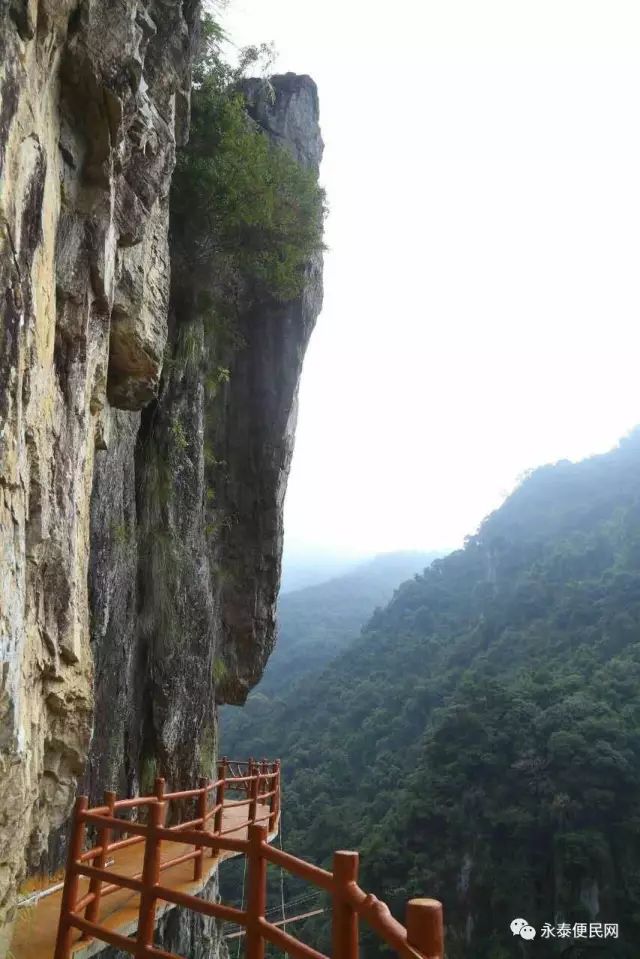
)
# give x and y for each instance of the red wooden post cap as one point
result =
(345, 865)
(257, 832)
(424, 927)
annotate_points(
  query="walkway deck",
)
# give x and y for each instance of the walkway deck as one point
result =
(36, 927)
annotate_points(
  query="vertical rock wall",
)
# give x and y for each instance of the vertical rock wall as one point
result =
(92, 98)
(188, 535)
(186, 522)
(254, 428)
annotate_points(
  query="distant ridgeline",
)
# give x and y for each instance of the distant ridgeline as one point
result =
(315, 624)
(318, 622)
(481, 739)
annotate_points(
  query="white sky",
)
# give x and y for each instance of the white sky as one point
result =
(482, 302)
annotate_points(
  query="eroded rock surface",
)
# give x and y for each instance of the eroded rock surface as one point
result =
(256, 420)
(195, 566)
(93, 96)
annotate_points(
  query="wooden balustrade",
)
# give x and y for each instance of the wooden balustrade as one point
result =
(95, 886)
(422, 938)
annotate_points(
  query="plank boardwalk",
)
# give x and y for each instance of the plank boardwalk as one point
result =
(35, 931)
(117, 889)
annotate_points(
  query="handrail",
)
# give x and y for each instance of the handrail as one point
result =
(196, 832)
(420, 938)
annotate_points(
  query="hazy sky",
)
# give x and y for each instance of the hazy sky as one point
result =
(482, 294)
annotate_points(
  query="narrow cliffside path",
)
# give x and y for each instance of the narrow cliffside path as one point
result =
(149, 878)
(37, 926)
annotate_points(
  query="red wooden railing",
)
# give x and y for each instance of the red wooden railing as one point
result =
(421, 939)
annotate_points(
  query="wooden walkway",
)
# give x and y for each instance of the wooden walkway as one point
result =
(116, 890)
(36, 926)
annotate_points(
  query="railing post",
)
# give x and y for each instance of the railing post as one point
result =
(278, 794)
(159, 788)
(198, 866)
(273, 787)
(257, 891)
(425, 927)
(71, 880)
(95, 886)
(250, 765)
(220, 788)
(253, 793)
(345, 918)
(264, 781)
(150, 879)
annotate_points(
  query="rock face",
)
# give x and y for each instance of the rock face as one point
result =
(187, 513)
(140, 506)
(92, 99)
(256, 419)
(289, 113)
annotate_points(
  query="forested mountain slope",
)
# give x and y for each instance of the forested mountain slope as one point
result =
(315, 624)
(480, 742)
(318, 622)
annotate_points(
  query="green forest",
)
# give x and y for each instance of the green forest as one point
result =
(318, 622)
(479, 741)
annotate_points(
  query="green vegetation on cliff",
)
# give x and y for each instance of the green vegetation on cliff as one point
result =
(212, 451)
(480, 742)
(241, 203)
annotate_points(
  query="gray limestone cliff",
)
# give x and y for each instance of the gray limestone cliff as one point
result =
(141, 490)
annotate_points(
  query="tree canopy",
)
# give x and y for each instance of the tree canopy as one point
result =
(480, 741)
(241, 204)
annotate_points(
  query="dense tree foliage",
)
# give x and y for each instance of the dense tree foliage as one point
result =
(480, 741)
(241, 205)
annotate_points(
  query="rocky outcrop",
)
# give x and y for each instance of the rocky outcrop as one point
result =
(186, 523)
(256, 417)
(288, 111)
(143, 456)
(187, 527)
(93, 97)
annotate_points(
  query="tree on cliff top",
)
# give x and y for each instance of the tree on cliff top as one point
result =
(241, 204)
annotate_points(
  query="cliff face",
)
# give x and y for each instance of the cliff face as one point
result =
(256, 418)
(93, 97)
(187, 513)
(140, 510)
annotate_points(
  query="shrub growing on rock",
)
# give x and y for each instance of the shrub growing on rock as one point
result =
(241, 204)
